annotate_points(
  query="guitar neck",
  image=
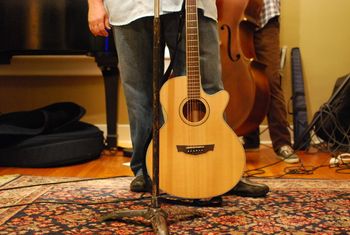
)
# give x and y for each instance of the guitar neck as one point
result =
(192, 50)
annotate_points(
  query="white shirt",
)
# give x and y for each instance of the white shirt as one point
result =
(122, 12)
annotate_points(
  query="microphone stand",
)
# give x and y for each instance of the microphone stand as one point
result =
(155, 214)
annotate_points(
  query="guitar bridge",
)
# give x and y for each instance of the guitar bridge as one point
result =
(195, 149)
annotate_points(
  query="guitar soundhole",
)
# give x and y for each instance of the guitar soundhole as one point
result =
(194, 111)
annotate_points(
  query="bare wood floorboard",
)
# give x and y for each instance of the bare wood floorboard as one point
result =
(111, 164)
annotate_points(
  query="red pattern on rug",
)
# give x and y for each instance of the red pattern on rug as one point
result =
(293, 206)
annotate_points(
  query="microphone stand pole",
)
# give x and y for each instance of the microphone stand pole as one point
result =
(155, 214)
(158, 218)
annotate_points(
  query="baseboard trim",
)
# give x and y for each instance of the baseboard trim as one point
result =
(265, 135)
(124, 139)
(123, 130)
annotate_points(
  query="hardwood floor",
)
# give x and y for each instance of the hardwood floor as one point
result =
(111, 164)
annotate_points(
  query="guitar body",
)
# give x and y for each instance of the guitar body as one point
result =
(199, 154)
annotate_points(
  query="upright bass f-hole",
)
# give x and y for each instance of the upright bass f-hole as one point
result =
(229, 39)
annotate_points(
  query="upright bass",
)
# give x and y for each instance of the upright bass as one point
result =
(243, 75)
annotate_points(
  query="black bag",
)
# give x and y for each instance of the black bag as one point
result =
(48, 137)
(333, 119)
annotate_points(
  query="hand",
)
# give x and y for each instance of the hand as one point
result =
(98, 18)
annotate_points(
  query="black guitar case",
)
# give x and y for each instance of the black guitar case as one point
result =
(300, 123)
(48, 137)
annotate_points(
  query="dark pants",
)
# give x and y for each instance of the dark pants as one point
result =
(267, 49)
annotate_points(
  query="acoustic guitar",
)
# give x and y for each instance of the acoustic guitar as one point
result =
(199, 154)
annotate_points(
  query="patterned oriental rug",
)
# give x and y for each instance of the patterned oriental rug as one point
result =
(293, 206)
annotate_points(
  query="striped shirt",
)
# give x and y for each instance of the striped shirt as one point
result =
(270, 9)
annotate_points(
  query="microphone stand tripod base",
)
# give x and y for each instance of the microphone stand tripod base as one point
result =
(157, 216)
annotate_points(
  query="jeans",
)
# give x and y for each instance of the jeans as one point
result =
(134, 45)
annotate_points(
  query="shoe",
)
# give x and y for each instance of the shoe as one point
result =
(247, 188)
(251, 142)
(286, 153)
(251, 148)
(140, 184)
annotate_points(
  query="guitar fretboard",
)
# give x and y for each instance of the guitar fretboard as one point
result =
(192, 50)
